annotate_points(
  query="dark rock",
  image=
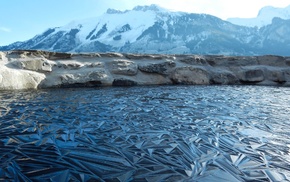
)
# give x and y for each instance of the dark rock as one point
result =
(111, 55)
(57, 55)
(287, 61)
(84, 55)
(252, 76)
(190, 76)
(145, 56)
(271, 60)
(85, 84)
(100, 32)
(194, 60)
(124, 82)
(224, 77)
(159, 68)
(118, 37)
(276, 76)
(230, 61)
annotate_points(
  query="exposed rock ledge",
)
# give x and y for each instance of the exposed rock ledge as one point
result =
(39, 69)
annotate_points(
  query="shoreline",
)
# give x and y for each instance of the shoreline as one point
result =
(23, 69)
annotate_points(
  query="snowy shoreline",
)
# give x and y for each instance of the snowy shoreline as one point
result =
(41, 69)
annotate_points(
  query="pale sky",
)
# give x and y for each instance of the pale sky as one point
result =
(22, 19)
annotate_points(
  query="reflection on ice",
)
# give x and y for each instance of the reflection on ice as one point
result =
(254, 132)
(168, 133)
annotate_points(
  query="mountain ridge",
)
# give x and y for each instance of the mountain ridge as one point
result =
(264, 17)
(155, 30)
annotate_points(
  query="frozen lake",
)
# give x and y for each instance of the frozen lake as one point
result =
(164, 133)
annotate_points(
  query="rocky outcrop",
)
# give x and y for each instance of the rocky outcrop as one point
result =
(39, 65)
(162, 68)
(91, 78)
(190, 76)
(39, 69)
(13, 79)
(252, 76)
(123, 67)
(224, 78)
(276, 76)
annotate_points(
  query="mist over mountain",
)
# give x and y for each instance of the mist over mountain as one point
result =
(152, 29)
(264, 17)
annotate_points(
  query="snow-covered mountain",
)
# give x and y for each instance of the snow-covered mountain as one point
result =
(264, 17)
(152, 29)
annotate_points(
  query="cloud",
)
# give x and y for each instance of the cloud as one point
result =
(5, 29)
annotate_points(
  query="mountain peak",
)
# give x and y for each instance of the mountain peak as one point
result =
(265, 10)
(152, 7)
(265, 16)
(114, 11)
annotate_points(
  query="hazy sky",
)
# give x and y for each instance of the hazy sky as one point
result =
(22, 19)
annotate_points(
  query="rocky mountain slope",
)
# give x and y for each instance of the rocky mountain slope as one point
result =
(151, 29)
(39, 69)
